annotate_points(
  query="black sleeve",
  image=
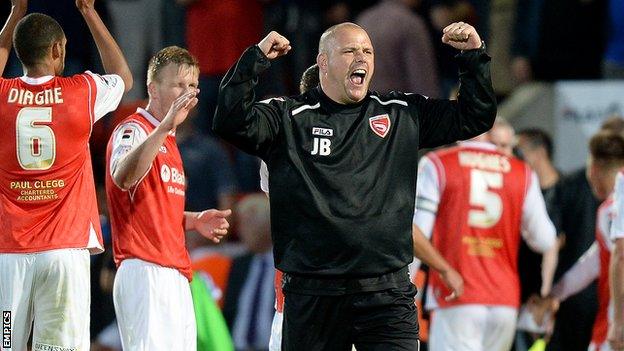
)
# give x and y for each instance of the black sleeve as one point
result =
(446, 121)
(249, 125)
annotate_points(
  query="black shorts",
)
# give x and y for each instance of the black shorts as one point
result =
(380, 320)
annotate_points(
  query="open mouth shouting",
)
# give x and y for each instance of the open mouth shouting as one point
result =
(357, 77)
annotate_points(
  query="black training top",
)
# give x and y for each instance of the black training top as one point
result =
(343, 177)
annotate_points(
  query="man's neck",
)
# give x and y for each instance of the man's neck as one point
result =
(547, 175)
(154, 110)
(39, 71)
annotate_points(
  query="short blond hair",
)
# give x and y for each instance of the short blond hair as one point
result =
(171, 54)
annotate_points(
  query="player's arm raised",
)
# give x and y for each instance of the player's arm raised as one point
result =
(18, 10)
(239, 119)
(113, 59)
(137, 162)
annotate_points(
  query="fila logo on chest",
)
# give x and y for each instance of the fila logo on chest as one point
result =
(321, 143)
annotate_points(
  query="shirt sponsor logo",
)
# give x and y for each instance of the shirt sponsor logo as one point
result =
(165, 173)
(380, 125)
(172, 174)
(6, 329)
(322, 132)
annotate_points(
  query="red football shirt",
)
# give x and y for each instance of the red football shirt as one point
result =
(148, 220)
(477, 227)
(46, 181)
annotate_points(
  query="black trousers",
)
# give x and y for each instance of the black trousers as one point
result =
(372, 321)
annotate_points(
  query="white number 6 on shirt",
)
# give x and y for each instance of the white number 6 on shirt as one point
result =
(480, 196)
(36, 144)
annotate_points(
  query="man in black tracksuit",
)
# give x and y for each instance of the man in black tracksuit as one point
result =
(343, 165)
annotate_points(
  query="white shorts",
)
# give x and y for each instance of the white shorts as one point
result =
(275, 342)
(473, 328)
(154, 308)
(602, 347)
(51, 288)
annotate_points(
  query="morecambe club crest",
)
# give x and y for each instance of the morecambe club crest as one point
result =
(380, 124)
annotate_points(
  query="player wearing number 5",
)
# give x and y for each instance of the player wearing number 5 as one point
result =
(48, 211)
(475, 202)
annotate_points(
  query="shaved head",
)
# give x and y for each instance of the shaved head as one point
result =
(346, 62)
(328, 37)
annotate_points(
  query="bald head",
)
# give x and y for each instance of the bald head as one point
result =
(346, 63)
(328, 38)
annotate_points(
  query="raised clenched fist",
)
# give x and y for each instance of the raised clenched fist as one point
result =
(461, 36)
(274, 45)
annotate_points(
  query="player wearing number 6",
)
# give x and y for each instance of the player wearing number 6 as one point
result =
(48, 212)
(475, 202)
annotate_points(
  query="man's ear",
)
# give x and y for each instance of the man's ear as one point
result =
(151, 90)
(321, 61)
(57, 50)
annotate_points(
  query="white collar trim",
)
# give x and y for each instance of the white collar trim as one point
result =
(148, 116)
(36, 81)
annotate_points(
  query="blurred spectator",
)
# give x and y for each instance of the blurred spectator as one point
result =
(577, 206)
(102, 273)
(300, 21)
(209, 174)
(138, 25)
(404, 56)
(174, 23)
(335, 12)
(614, 123)
(246, 170)
(613, 59)
(217, 32)
(444, 12)
(535, 148)
(250, 296)
(577, 210)
(548, 36)
(503, 136)
(605, 161)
